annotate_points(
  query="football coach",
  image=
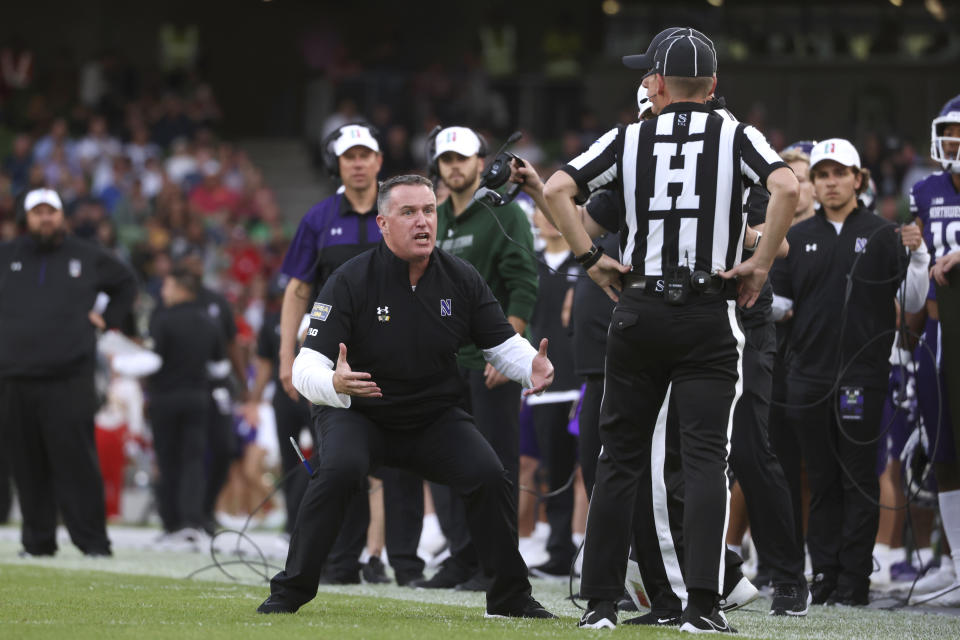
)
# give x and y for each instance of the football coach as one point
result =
(402, 311)
(49, 282)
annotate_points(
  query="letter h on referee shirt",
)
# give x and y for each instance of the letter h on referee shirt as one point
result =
(685, 175)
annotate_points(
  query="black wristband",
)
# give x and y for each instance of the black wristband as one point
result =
(590, 258)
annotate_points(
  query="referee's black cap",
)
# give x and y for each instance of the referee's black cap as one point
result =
(687, 54)
(647, 60)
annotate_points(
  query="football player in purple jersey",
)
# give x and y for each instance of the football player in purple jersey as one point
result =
(935, 201)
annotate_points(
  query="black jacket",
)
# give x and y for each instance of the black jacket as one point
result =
(45, 300)
(187, 340)
(815, 275)
(547, 321)
(406, 339)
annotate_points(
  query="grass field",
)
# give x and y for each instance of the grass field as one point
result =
(143, 592)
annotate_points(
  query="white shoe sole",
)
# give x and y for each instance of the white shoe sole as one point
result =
(600, 624)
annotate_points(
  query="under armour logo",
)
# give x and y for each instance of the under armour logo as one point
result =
(383, 314)
(16, 266)
(811, 247)
(383, 310)
(336, 231)
(446, 307)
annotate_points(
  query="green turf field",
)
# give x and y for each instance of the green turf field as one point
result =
(143, 593)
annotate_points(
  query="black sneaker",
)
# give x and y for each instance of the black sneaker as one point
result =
(626, 603)
(849, 598)
(528, 608)
(657, 619)
(477, 582)
(408, 579)
(374, 572)
(328, 576)
(692, 621)
(600, 614)
(551, 570)
(790, 599)
(451, 574)
(274, 604)
(822, 587)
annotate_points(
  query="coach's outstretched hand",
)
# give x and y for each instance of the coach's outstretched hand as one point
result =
(541, 374)
(752, 275)
(356, 383)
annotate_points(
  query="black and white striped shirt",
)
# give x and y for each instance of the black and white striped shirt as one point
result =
(682, 176)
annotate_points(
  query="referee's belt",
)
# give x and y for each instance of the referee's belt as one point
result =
(654, 285)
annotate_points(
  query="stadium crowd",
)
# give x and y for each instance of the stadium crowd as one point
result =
(147, 175)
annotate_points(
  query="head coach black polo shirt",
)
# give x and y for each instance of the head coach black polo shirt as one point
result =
(406, 337)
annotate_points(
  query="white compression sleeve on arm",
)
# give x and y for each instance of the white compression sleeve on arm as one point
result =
(513, 358)
(313, 377)
(915, 285)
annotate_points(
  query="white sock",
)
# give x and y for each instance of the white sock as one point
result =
(950, 515)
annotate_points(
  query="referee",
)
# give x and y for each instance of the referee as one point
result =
(675, 331)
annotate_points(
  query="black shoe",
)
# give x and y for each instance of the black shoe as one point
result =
(528, 608)
(600, 614)
(693, 621)
(408, 579)
(98, 553)
(790, 599)
(273, 604)
(551, 569)
(451, 574)
(328, 576)
(849, 598)
(626, 603)
(374, 572)
(477, 582)
(822, 587)
(657, 619)
(23, 553)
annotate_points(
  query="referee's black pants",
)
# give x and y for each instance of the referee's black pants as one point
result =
(841, 460)
(450, 450)
(655, 351)
(179, 425)
(48, 432)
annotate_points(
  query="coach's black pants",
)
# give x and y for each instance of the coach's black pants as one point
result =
(496, 413)
(558, 452)
(48, 432)
(843, 495)
(449, 450)
(179, 424)
(765, 489)
(654, 352)
(222, 447)
(291, 417)
(590, 430)
(786, 447)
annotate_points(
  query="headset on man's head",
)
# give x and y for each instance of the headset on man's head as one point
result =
(493, 177)
(331, 162)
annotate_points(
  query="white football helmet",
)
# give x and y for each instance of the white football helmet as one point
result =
(950, 114)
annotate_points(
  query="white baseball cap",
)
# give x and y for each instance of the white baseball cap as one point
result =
(354, 135)
(836, 149)
(643, 100)
(42, 196)
(457, 139)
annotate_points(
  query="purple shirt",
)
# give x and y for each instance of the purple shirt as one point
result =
(328, 235)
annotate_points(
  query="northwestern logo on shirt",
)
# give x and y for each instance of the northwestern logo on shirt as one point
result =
(811, 247)
(859, 245)
(320, 311)
(446, 307)
(383, 314)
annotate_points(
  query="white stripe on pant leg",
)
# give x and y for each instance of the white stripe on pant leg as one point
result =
(738, 391)
(661, 516)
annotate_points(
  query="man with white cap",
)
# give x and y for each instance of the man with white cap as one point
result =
(333, 231)
(478, 234)
(842, 275)
(49, 282)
